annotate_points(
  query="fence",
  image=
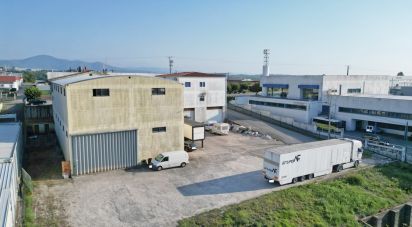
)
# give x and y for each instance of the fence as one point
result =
(289, 123)
(391, 151)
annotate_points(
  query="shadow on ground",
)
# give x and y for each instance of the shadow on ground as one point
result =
(250, 181)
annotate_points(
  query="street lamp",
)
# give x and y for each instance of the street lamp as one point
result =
(330, 93)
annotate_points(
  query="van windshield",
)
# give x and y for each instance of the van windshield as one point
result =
(159, 158)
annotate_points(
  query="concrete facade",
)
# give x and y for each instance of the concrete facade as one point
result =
(204, 95)
(130, 105)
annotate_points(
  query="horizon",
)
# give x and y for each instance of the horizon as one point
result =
(319, 37)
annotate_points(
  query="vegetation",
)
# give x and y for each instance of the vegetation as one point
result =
(28, 218)
(330, 203)
(243, 87)
(31, 77)
(32, 93)
(400, 74)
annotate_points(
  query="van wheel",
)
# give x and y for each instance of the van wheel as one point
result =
(294, 180)
(356, 164)
(159, 168)
(183, 164)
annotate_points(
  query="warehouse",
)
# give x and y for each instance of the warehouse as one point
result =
(106, 122)
(11, 147)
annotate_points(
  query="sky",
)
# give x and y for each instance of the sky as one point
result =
(304, 37)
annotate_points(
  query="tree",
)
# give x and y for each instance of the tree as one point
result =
(229, 88)
(400, 74)
(235, 87)
(243, 87)
(32, 93)
(29, 77)
(255, 88)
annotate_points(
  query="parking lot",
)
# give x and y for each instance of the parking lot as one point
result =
(227, 170)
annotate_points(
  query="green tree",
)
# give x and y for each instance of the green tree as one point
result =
(400, 74)
(29, 77)
(229, 88)
(32, 93)
(243, 87)
(255, 88)
(235, 87)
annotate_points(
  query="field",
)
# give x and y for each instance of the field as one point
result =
(337, 202)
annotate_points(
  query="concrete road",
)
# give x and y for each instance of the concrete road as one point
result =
(285, 135)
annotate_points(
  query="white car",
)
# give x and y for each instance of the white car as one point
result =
(220, 128)
(169, 160)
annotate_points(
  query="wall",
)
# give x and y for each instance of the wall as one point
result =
(130, 105)
(60, 116)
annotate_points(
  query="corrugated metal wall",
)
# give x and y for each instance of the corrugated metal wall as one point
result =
(104, 151)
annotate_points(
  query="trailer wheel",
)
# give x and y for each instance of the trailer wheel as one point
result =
(356, 164)
(339, 168)
(310, 176)
(294, 180)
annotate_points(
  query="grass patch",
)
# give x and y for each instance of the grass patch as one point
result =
(330, 203)
(367, 154)
(29, 218)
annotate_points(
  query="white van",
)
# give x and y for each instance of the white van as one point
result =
(220, 128)
(170, 159)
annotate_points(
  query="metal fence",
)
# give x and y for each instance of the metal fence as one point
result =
(390, 150)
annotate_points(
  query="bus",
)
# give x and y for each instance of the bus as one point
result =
(322, 124)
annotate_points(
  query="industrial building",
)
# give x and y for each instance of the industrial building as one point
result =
(204, 95)
(355, 100)
(11, 148)
(106, 122)
(8, 81)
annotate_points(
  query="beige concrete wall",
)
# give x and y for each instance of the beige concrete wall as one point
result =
(130, 105)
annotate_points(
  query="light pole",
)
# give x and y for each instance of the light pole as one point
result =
(330, 92)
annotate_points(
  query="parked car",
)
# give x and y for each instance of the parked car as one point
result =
(372, 129)
(209, 125)
(169, 160)
(190, 146)
(36, 102)
(371, 137)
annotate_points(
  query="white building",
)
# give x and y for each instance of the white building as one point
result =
(357, 100)
(10, 81)
(204, 95)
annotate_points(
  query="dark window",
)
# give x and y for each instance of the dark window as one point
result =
(354, 90)
(165, 159)
(101, 92)
(187, 84)
(64, 91)
(159, 129)
(158, 91)
(376, 113)
(202, 98)
(279, 105)
(202, 84)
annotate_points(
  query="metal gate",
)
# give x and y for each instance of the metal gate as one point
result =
(104, 151)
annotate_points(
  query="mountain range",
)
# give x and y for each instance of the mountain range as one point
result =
(47, 62)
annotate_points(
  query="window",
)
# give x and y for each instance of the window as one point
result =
(101, 92)
(354, 90)
(310, 94)
(165, 159)
(64, 91)
(187, 84)
(278, 92)
(202, 84)
(158, 91)
(406, 116)
(278, 105)
(159, 129)
(202, 98)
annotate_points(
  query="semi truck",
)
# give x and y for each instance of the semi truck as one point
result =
(298, 162)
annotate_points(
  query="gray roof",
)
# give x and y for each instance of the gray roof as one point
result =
(91, 76)
(9, 134)
(394, 97)
(306, 146)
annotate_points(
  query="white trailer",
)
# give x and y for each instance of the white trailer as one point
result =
(289, 164)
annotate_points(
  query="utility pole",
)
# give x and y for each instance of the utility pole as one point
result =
(347, 70)
(170, 64)
(406, 141)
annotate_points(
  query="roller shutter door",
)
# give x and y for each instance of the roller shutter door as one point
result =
(104, 151)
(214, 114)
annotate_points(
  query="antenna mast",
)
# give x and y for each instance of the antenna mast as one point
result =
(266, 53)
(170, 64)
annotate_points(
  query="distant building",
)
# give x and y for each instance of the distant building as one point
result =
(106, 122)
(10, 81)
(204, 95)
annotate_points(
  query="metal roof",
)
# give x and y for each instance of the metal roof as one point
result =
(9, 134)
(192, 74)
(306, 146)
(394, 97)
(92, 76)
(193, 123)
